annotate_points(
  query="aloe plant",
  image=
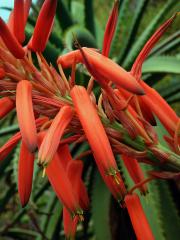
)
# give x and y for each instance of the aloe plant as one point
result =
(80, 29)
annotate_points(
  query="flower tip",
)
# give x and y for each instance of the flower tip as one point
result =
(10, 41)
(140, 91)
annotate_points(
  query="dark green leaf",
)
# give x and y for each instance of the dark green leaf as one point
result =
(100, 209)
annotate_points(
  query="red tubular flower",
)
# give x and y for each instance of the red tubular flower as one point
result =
(110, 29)
(60, 181)
(12, 44)
(61, 184)
(135, 171)
(43, 26)
(25, 174)
(25, 114)
(13, 141)
(70, 224)
(18, 23)
(51, 141)
(160, 108)
(6, 105)
(138, 218)
(95, 134)
(9, 145)
(136, 69)
(74, 171)
(104, 70)
(16, 26)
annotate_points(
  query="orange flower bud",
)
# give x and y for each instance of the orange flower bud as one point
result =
(25, 174)
(43, 26)
(25, 114)
(51, 141)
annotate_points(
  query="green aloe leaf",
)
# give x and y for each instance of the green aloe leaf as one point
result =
(127, 26)
(151, 204)
(9, 130)
(24, 233)
(89, 16)
(151, 28)
(77, 12)
(7, 196)
(170, 88)
(49, 220)
(174, 98)
(63, 15)
(168, 64)
(170, 215)
(100, 208)
(15, 162)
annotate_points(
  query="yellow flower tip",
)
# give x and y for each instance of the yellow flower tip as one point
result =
(81, 218)
(44, 172)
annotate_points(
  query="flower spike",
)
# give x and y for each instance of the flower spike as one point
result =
(12, 44)
(138, 218)
(51, 141)
(43, 26)
(25, 114)
(25, 174)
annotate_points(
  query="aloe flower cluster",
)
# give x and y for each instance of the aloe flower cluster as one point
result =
(53, 112)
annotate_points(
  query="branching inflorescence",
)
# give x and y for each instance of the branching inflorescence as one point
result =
(53, 112)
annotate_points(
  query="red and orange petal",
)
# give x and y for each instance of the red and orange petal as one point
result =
(6, 105)
(135, 171)
(70, 224)
(25, 174)
(138, 218)
(10, 41)
(51, 141)
(136, 70)
(25, 114)
(110, 29)
(104, 70)
(95, 132)
(43, 26)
